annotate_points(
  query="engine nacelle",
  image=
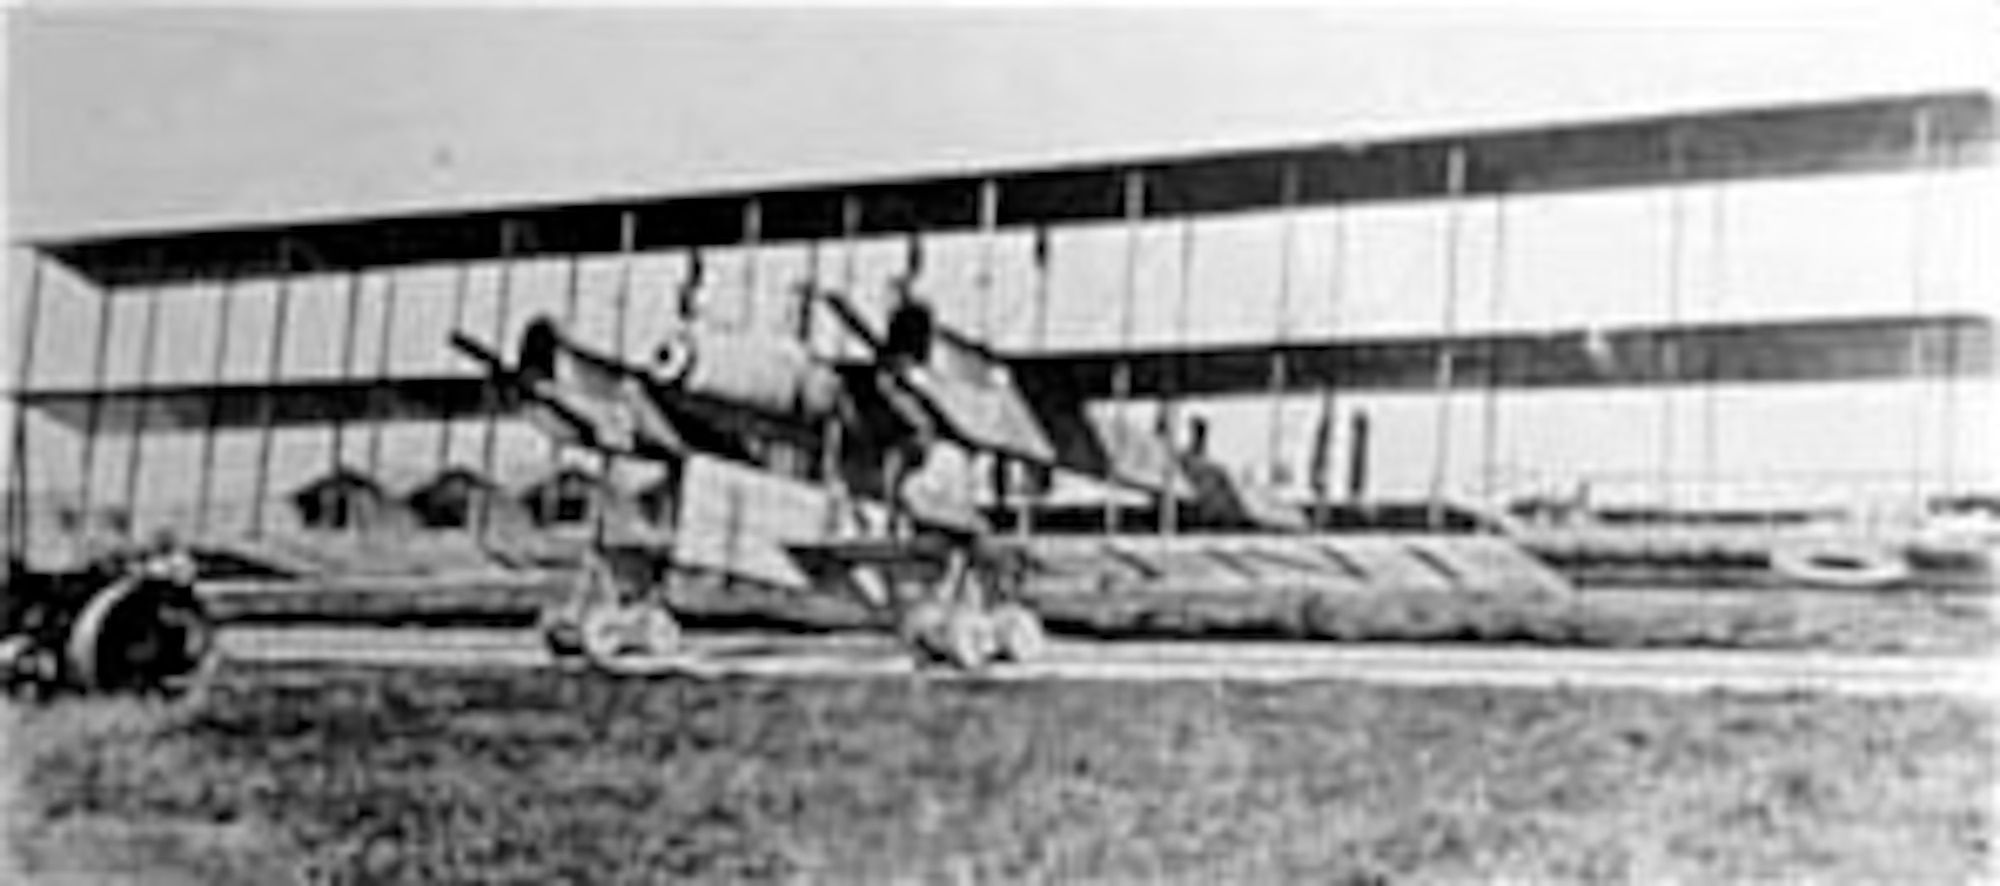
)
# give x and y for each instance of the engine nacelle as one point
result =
(771, 376)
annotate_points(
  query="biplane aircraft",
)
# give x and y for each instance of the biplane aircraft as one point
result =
(874, 421)
(919, 388)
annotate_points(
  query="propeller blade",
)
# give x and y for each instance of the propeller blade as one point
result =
(850, 316)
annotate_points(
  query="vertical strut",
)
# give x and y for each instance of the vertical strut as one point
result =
(356, 279)
(381, 389)
(94, 416)
(460, 291)
(1121, 371)
(1919, 351)
(753, 238)
(1025, 521)
(1489, 424)
(268, 407)
(1447, 364)
(135, 457)
(832, 441)
(503, 298)
(1280, 369)
(1670, 354)
(1719, 280)
(18, 507)
(628, 237)
(1170, 408)
(989, 219)
(1323, 439)
(572, 282)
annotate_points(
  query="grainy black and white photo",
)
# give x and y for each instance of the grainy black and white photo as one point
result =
(1533, 443)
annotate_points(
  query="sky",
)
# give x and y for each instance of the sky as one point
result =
(124, 119)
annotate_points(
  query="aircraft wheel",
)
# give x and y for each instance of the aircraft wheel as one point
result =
(968, 642)
(959, 636)
(137, 634)
(1018, 633)
(1851, 565)
(561, 633)
(921, 624)
(633, 640)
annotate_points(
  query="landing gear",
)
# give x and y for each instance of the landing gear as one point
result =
(616, 618)
(129, 623)
(968, 620)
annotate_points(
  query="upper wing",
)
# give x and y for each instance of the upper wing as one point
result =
(579, 396)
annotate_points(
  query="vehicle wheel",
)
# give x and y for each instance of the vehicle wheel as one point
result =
(1018, 633)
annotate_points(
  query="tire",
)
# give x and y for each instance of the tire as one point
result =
(631, 640)
(1018, 633)
(968, 643)
(561, 633)
(1832, 564)
(138, 634)
(958, 636)
(921, 627)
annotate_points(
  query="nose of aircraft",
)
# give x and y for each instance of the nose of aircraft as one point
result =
(672, 360)
(538, 347)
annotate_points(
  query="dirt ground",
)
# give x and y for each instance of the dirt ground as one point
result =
(356, 775)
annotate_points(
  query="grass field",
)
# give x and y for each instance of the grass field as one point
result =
(356, 775)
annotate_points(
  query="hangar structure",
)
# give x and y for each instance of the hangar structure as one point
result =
(1753, 309)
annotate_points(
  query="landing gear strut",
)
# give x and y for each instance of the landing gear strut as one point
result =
(616, 618)
(971, 617)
